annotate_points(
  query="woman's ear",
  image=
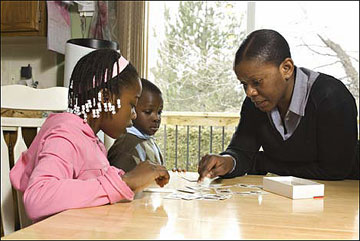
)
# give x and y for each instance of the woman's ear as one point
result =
(287, 68)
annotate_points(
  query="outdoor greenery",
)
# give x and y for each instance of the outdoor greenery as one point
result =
(195, 64)
(195, 153)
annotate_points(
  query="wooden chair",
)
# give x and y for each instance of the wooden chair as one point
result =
(20, 97)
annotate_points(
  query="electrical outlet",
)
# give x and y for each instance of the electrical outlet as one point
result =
(12, 78)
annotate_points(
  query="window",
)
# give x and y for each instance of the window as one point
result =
(191, 46)
(323, 36)
(191, 49)
(190, 53)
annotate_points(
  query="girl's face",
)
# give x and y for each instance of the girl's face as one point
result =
(115, 125)
(148, 112)
(265, 83)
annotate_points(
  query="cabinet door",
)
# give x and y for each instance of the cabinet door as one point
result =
(22, 17)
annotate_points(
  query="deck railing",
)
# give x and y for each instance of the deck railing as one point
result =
(184, 137)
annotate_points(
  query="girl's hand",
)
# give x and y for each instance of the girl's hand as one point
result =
(144, 174)
(178, 170)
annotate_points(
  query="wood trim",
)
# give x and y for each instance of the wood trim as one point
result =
(200, 118)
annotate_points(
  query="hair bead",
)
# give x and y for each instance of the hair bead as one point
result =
(102, 65)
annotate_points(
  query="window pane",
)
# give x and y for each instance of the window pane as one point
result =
(322, 36)
(191, 50)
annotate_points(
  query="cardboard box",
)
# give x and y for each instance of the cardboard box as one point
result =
(293, 187)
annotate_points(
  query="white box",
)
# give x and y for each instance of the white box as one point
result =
(293, 187)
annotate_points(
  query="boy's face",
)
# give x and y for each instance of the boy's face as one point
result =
(148, 110)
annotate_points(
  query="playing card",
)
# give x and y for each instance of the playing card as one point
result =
(223, 191)
(159, 189)
(244, 185)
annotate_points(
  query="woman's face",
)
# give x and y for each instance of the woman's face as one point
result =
(115, 125)
(265, 83)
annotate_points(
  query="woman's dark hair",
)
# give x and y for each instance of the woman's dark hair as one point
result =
(149, 86)
(88, 77)
(265, 45)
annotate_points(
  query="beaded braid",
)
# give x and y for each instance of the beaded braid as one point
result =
(93, 73)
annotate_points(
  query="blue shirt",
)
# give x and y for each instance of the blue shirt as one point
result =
(303, 82)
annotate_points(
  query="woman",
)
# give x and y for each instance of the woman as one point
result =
(305, 121)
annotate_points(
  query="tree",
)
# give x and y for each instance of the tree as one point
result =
(352, 76)
(194, 68)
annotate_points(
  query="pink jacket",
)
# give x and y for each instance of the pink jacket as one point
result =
(66, 167)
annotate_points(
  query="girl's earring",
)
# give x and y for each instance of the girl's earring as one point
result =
(118, 103)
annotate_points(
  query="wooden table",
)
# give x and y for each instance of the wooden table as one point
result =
(268, 216)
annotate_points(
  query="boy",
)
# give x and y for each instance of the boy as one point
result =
(138, 143)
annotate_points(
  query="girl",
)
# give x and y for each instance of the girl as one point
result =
(66, 165)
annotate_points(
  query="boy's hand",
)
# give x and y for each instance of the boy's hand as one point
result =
(144, 174)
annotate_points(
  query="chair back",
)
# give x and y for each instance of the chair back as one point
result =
(21, 97)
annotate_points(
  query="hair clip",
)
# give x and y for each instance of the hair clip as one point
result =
(120, 66)
(99, 96)
(105, 76)
(99, 106)
(76, 110)
(113, 110)
(87, 107)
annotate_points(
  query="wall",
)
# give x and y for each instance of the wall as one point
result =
(21, 51)
(47, 66)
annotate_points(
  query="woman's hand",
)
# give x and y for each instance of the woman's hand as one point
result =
(144, 174)
(213, 165)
